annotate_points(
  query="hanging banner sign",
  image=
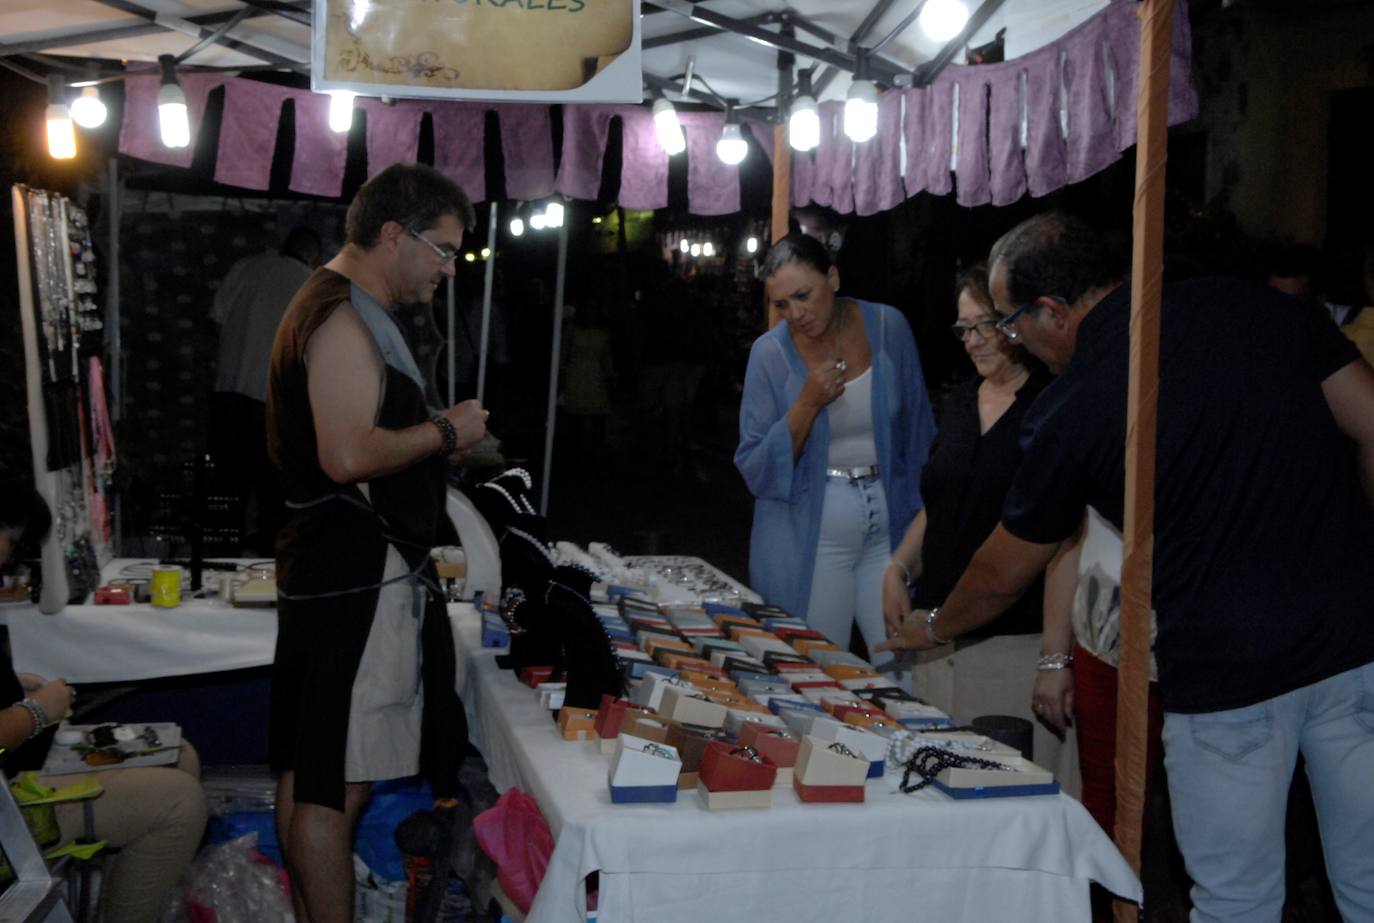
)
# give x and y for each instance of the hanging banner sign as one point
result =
(518, 50)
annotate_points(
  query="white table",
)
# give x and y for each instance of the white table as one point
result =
(895, 857)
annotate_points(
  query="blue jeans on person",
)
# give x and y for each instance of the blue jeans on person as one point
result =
(1229, 774)
(851, 553)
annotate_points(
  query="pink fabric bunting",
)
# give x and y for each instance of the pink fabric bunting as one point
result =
(393, 132)
(527, 146)
(248, 133)
(644, 166)
(321, 154)
(877, 164)
(584, 150)
(712, 186)
(459, 146)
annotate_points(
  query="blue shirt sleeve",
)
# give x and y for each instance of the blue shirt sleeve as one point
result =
(764, 454)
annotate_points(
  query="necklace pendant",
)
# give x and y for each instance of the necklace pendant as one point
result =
(841, 365)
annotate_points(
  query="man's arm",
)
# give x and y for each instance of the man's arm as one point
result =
(999, 573)
(1350, 395)
(345, 385)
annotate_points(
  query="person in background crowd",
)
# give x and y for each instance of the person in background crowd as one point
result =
(964, 485)
(153, 816)
(1360, 329)
(1296, 271)
(363, 677)
(835, 427)
(1263, 538)
(249, 305)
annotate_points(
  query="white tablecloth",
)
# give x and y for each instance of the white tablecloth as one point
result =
(106, 644)
(896, 857)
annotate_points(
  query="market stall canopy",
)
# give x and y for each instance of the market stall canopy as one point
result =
(1058, 109)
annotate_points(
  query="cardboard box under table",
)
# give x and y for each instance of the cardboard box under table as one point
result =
(999, 859)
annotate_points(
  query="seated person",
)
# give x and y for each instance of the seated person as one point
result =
(152, 816)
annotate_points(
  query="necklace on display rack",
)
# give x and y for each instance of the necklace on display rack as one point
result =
(839, 329)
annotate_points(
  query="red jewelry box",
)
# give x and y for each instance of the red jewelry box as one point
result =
(611, 714)
(725, 769)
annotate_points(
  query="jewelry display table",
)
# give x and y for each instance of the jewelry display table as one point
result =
(894, 856)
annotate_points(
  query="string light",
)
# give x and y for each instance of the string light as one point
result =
(804, 125)
(941, 20)
(668, 127)
(696, 250)
(517, 227)
(553, 215)
(708, 249)
(861, 111)
(752, 245)
(87, 109)
(537, 221)
(685, 246)
(174, 122)
(341, 110)
(731, 148)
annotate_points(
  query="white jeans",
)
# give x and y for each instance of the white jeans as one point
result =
(851, 553)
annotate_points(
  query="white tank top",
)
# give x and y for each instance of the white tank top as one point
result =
(851, 425)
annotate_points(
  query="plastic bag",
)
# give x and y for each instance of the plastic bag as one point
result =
(234, 883)
(516, 836)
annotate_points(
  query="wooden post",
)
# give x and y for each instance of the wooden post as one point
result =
(782, 194)
(1132, 714)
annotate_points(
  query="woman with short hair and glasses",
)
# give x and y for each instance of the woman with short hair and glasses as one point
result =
(964, 485)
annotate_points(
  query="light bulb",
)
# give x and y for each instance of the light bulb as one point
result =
(470, 257)
(696, 250)
(708, 249)
(341, 110)
(553, 215)
(172, 117)
(941, 20)
(517, 227)
(685, 245)
(486, 253)
(752, 245)
(669, 128)
(804, 126)
(861, 111)
(87, 109)
(537, 221)
(61, 133)
(731, 148)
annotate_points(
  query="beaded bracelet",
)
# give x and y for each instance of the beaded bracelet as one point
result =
(447, 432)
(40, 717)
(1049, 662)
(929, 762)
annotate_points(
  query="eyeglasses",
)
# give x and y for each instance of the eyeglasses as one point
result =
(445, 256)
(1006, 327)
(985, 328)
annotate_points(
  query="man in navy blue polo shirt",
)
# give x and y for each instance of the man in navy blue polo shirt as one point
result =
(1263, 554)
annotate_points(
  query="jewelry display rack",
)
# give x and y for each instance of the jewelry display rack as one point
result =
(69, 424)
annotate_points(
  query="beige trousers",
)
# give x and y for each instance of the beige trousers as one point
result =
(154, 817)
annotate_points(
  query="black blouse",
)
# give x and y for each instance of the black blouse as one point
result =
(964, 485)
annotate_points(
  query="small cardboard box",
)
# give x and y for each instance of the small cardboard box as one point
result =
(690, 742)
(733, 801)
(655, 643)
(576, 723)
(826, 772)
(645, 727)
(728, 768)
(808, 646)
(649, 692)
(790, 633)
(551, 695)
(691, 707)
(710, 681)
(737, 719)
(643, 771)
(727, 621)
(844, 671)
(781, 749)
(609, 717)
(533, 676)
(872, 747)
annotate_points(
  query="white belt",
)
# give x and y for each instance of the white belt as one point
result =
(853, 474)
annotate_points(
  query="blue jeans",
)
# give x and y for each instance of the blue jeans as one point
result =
(1229, 774)
(851, 553)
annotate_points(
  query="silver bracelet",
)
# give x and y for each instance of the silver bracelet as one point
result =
(40, 717)
(1049, 662)
(930, 628)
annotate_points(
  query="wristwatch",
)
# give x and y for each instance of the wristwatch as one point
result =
(930, 628)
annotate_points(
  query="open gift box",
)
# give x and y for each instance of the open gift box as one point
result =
(691, 706)
(645, 727)
(643, 771)
(737, 719)
(610, 716)
(690, 742)
(779, 746)
(576, 723)
(872, 747)
(735, 777)
(649, 692)
(828, 771)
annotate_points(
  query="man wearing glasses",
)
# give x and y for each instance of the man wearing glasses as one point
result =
(1263, 588)
(364, 667)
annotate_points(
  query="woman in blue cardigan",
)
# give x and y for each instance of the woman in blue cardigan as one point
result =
(835, 426)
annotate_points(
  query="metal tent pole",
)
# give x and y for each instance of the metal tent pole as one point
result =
(487, 285)
(452, 339)
(553, 364)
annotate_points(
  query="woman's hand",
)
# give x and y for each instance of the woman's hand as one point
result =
(1052, 698)
(29, 681)
(55, 698)
(824, 383)
(896, 599)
